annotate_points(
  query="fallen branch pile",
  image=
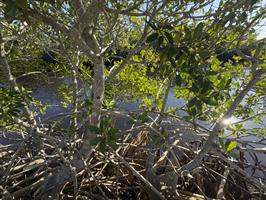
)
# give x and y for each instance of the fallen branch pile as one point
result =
(136, 170)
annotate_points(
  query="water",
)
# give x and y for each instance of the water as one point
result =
(251, 140)
(46, 91)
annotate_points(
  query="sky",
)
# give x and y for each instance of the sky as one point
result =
(261, 28)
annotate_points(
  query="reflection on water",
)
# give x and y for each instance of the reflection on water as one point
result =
(47, 93)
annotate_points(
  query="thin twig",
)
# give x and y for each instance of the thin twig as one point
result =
(136, 173)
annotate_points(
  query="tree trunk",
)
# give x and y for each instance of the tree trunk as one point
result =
(98, 87)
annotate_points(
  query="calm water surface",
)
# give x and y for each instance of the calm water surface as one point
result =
(47, 93)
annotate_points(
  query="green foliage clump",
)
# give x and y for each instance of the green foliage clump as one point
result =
(11, 104)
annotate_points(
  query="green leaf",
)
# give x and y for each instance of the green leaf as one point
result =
(171, 51)
(195, 102)
(96, 141)
(160, 41)
(163, 55)
(52, 2)
(212, 101)
(152, 37)
(198, 31)
(198, 104)
(10, 10)
(112, 134)
(204, 53)
(187, 33)
(228, 83)
(113, 144)
(152, 25)
(113, 131)
(102, 145)
(178, 80)
(172, 61)
(21, 4)
(144, 117)
(192, 111)
(195, 88)
(231, 146)
(191, 102)
(94, 129)
(105, 123)
(205, 86)
(169, 37)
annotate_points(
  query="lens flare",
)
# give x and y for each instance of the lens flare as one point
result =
(228, 121)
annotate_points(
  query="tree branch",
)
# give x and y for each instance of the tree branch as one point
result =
(220, 125)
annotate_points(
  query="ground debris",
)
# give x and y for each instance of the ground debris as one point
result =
(134, 171)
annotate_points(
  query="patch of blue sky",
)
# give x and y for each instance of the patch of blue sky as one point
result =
(260, 27)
